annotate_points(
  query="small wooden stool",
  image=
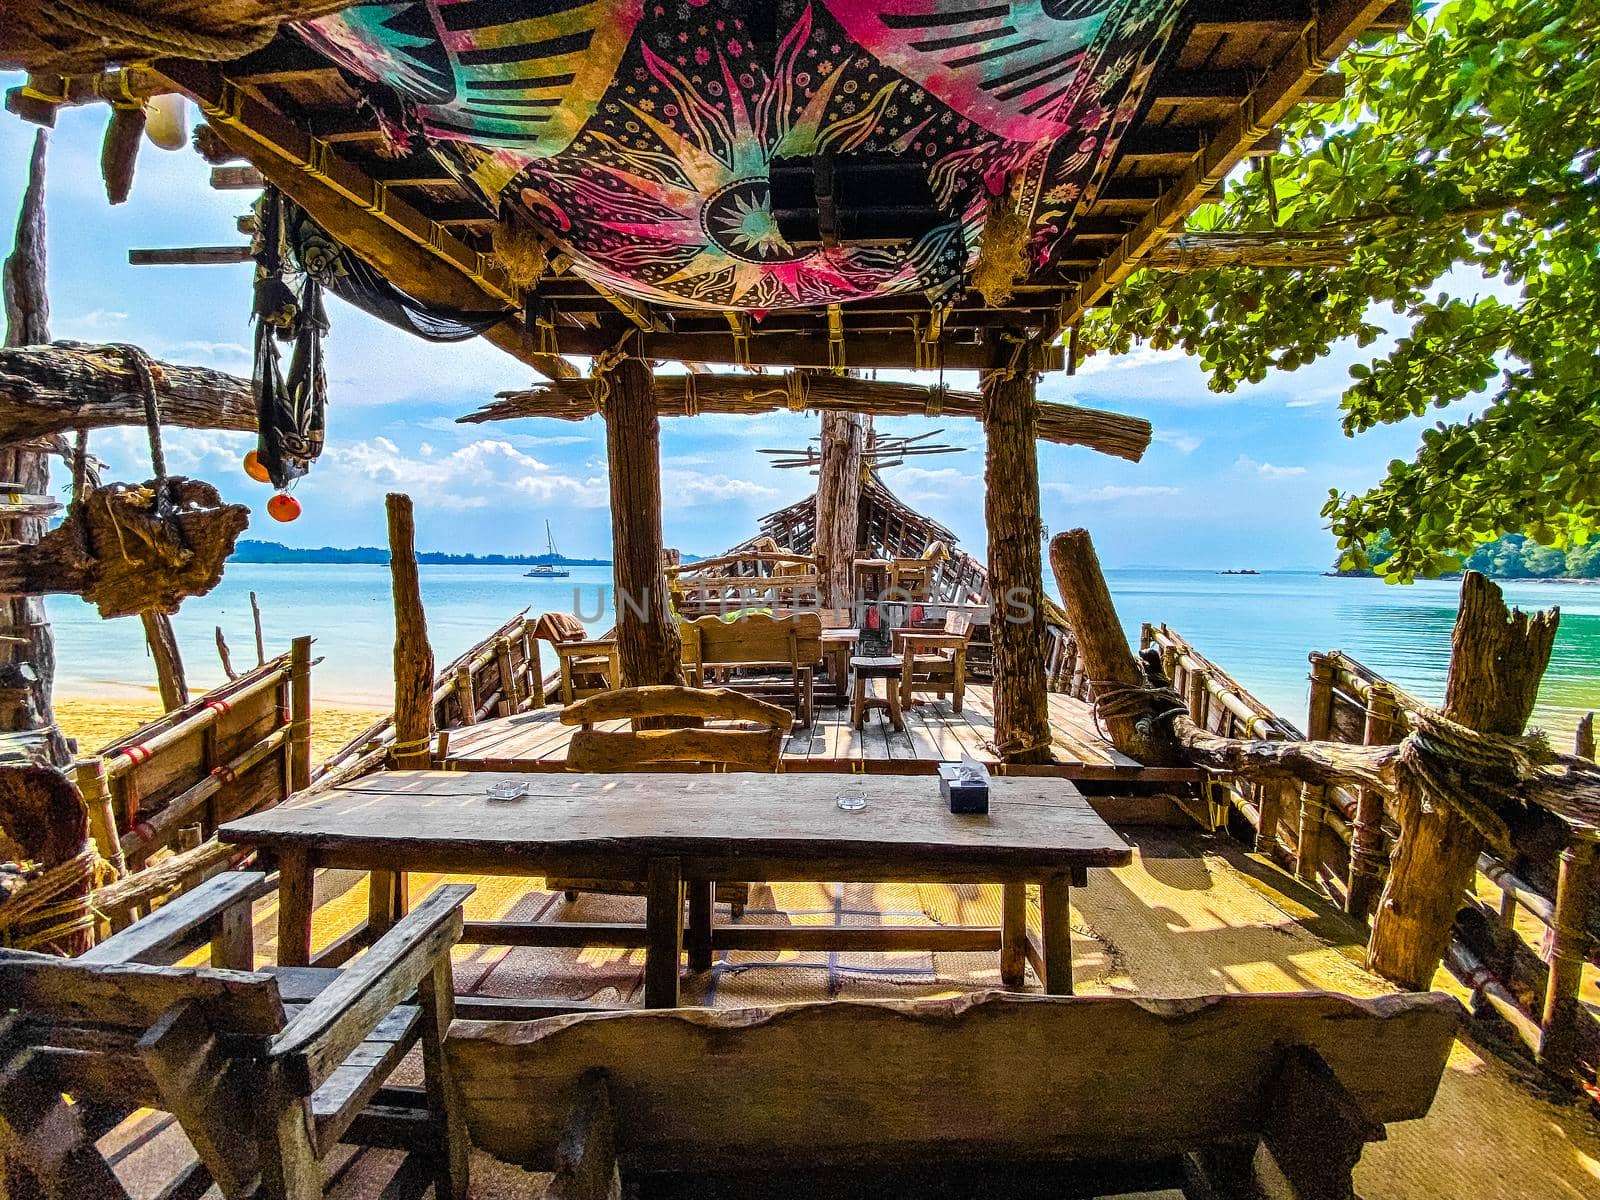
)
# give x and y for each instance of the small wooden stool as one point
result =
(865, 668)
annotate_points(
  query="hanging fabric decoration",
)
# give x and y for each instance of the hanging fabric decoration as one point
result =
(292, 250)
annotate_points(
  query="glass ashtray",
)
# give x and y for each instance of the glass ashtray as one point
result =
(506, 789)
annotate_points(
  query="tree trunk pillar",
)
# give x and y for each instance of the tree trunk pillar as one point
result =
(413, 656)
(844, 435)
(1497, 659)
(27, 308)
(1016, 570)
(648, 648)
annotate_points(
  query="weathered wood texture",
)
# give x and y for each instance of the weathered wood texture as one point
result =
(1497, 659)
(989, 1078)
(1016, 573)
(844, 435)
(740, 748)
(163, 645)
(1110, 433)
(55, 387)
(35, 38)
(27, 466)
(647, 638)
(413, 656)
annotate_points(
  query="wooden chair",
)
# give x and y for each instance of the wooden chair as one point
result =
(264, 1070)
(911, 579)
(588, 667)
(988, 1095)
(756, 744)
(934, 660)
(790, 644)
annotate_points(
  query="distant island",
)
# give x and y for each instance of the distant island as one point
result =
(1513, 556)
(276, 552)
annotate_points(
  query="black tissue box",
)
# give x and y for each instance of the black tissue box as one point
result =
(963, 796)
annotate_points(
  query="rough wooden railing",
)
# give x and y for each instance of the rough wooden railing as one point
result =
(1339, 839)
(498, 677)
(156, 796)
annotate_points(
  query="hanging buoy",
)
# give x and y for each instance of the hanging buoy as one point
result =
(283, 507)
(254, 469)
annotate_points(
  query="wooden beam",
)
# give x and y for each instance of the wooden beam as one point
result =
(648, 647)
(237, 179)
(1338, 23)
(1185, 141)
(1016, 575)
(1193, 87)
(64, 386)
(1249, 18)
(189, 256)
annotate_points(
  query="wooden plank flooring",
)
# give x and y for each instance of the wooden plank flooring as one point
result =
(934, 733)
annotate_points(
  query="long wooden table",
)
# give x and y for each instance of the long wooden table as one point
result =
(678, 833)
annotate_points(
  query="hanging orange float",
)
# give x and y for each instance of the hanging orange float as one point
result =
(254, 468)
(283, 507)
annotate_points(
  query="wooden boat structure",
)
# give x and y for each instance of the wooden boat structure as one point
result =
(1381, 805)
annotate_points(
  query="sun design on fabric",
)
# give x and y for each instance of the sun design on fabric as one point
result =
(675, 174)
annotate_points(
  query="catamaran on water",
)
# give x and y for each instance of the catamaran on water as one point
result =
(548, 570)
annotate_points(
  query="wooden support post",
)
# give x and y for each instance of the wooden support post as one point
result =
(27, 465)
(413, 656)
(1198, 696)
(169, 663)
(664, 932)
(647, 638)
(1319, 708)
(90, 776)
(508, 678)
(1497, 659)
(530, 649)
(1308, 845)
(1101, 643)
(844, 435)
(1016, 570)
(1013, 934)
(300, 714)
(1055, 924)
(1576, 892)
(1269, 814)
(466, 694)
(1368, 862)
(1583, 739)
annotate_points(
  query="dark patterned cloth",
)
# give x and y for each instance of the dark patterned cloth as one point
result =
(649, 138)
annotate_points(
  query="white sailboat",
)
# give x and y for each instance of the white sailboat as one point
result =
(548, 570)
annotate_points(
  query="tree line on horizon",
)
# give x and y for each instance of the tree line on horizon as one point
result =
(1513, 556)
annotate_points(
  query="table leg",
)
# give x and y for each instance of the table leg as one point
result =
(1013, 934)
(387, 902)
(702, 896)
(1055, 921)
(896, 721)
(663, 932)
(295, 874)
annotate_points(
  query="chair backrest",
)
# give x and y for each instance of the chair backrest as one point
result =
(84, 1021)
(558, 627)
(737, 749)
(958, 623)
(992, 1077)
(754, 640)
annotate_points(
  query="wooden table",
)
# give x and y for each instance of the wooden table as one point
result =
(837, 647)
(677, 832)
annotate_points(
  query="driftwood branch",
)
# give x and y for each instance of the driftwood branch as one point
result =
(685, 395)
(63, 386)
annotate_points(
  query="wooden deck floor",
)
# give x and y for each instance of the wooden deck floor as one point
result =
(933, 733)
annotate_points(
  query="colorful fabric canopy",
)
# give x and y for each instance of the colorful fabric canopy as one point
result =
(657, 142)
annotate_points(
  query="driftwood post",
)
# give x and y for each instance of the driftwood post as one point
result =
(300, 714)
(1368, 862)
(413, 656)
(647, 638)
(27, 465)
(1016, 572)
(1497, 659)
(163, 642)
(839, 504)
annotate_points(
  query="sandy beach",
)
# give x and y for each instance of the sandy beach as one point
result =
(95, 722)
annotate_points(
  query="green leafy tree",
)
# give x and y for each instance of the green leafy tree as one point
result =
(1458, 177)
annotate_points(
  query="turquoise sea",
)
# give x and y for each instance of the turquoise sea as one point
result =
(1259, 627)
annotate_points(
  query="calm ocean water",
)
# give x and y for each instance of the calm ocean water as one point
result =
(1259, 627)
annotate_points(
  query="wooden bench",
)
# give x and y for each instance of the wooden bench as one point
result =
(986, 1095)
(265, 1071)
(791, 645)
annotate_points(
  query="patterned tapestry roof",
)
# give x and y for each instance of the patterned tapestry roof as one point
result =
(671, 148)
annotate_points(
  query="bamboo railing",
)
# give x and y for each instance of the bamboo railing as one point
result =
(156, 796)
(1522, 956)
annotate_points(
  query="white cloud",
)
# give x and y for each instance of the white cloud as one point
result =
(473, 476)
(90, 326)
(522, 441)
(1183, 443)
(1135, 360)
(1108, 493)
(1266, 470)
(688, 489)
(932, 484)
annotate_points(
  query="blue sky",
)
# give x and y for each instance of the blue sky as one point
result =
(1233, 480)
